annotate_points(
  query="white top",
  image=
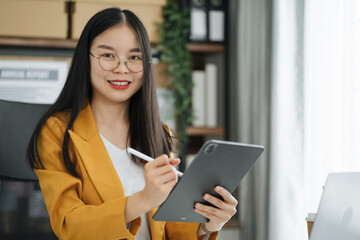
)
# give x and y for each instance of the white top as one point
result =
(132, 178)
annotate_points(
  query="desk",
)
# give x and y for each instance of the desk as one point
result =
(310, 221)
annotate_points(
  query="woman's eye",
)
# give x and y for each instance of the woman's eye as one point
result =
(135, 58)
(108, 55)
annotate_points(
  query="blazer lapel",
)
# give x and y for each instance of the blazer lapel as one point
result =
(89, 145)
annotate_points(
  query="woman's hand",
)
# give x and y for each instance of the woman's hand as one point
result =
(220, 214)
(160, 179)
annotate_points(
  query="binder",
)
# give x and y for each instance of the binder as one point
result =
(207, 20)
(211, 87)
(198, 19)
(198, 98)
(216, 19)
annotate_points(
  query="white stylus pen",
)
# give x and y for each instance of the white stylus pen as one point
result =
(147, 158)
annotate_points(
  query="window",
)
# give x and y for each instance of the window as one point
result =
(331, 92)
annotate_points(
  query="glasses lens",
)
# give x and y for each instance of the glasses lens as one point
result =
(109, 61)
(135, 64)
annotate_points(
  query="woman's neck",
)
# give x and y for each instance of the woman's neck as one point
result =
(112, 121)
(110, 114)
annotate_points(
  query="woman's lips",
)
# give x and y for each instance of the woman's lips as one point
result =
(119, 84)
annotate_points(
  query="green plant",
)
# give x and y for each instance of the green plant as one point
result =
(174, 32)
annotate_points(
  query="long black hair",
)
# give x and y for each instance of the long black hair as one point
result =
(77, 92)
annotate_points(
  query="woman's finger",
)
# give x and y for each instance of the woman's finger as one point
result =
(228, 208)
(160, 170)
(159, 161)
(208, 214)
(168, 177)
(213, 211)
(226, 195)
(162, 160)
(215, 201)
(174, 161)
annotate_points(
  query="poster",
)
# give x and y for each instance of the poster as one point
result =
(31, 80)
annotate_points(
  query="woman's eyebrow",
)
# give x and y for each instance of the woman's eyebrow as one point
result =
(106, 47)
(135, 50)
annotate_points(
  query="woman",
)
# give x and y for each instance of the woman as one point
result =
(92, 188)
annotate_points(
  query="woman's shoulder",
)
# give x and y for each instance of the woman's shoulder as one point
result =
(167, 128)
(62, 117)
(58, 120)
(168, 134)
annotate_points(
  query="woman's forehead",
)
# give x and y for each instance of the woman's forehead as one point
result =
(117, 38)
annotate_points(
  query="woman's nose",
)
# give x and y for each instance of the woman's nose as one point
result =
(122, 67)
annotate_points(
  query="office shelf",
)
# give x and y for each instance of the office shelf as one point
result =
(200, 131)
(205, 47)
(38, 42)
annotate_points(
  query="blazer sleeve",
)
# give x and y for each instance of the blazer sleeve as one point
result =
(70, 217)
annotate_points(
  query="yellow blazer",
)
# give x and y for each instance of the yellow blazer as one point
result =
(91, 207)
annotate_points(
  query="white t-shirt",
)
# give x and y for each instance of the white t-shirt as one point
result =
(132, 178)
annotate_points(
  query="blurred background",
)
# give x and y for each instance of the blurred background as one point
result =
(279, 73)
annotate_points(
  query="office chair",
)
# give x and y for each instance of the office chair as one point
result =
(23, 213)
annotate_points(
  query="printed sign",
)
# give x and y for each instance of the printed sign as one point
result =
(32, 81)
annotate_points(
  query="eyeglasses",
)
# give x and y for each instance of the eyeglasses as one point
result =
(110, 62)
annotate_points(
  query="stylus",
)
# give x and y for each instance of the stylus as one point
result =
(147, 158)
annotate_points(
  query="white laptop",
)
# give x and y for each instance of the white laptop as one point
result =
(338, 216)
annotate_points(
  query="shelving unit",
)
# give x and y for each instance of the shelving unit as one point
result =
(197, 135)
(201, 52)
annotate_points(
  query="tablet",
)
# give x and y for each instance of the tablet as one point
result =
(220, 163)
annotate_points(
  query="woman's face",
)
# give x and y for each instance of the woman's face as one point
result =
(119, 84)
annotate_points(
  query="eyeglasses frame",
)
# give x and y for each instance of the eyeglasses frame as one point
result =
(120, 60)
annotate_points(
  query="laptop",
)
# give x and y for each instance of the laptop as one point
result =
(218, 162)
(338, 216)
